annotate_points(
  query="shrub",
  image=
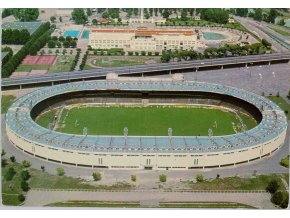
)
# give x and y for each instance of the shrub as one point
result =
(3, 162)
(42, 168)
(143, 53)
(149, 53)
(51, 44)
(277, 198)
(162, 178)
(199, 178)
(12, 158)
(133, 178)
(272, 186)
(60, 171)
(285, 200)
(136, 53)
(285, 162)
(21, 197)
(25, 175)
(130, 53)
(156, 53)
(24, 186)
(9, 174)
(26, 163)
(97, 176)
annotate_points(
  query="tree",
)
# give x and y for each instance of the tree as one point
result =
(60, 171)
(119, 20)
(24, 186)
(133, 178)
(272, 186)
(60, 19)
(42, 168)
(26, 14)
(21, 197)
(52, 19)
(143, 53)
(199, 178)
(277, 198)
(26, 163)
(266, 43)
(94, 22)
(89, 12)
(66, 44)
(258, 15)
(79, 16)
(281, 22)
(242, 12)
(285, 202)
(61, 38)
(272, 15)
(105, 15)
(97, 176)
(9, 174)
(3, 162)
(166, 13)
(25, 175)
(73, 43)
(12, 158)
(51, 44)
(162, 178)
(184, 14)
(64, 51)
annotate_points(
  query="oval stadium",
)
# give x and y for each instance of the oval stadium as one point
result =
(96, 124)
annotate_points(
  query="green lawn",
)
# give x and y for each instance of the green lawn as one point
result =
(152, 120)
(121, 61)
(11, 189)
(46, 118)
(120, 204)
(282, 32)
(6, 101)
(281, 103)
(28, 68)
(259, 182)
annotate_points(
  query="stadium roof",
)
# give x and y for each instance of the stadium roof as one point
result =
(18, 119)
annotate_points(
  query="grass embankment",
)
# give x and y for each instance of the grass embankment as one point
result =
(121, 61)
(6, 101)
(281, 103)
(259, 182)
(285, 161)
(120, 204)
(153, 120)
(282, 32)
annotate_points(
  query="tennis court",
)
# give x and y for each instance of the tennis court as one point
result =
(39, 60)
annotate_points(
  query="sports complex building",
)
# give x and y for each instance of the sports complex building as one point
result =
(146, 152)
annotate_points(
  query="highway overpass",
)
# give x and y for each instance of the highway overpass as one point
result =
(154, 69)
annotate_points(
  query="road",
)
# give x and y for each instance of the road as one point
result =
(254, 26)
(154, 68)
(41, 198)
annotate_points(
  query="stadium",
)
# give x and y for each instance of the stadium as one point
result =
(132, 147)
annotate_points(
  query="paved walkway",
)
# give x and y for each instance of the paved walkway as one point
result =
(41, 198)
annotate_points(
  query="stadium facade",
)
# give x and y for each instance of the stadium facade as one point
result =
(146, 152)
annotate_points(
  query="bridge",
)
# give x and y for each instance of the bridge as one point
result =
(154, 69)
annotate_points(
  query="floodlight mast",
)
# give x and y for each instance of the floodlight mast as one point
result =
(85, 131)
(125, 132)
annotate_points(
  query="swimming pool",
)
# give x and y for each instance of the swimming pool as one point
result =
(72, 33)
(213, 36)
(86, 34)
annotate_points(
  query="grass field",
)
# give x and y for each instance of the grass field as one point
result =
(281, 103)
(152, 120)
(62, 64)
(121, 61)
(6, 101)
(282, 32)
(136, 204)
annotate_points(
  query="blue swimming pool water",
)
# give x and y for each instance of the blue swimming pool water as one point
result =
(72, 33)
(213, 36)
(86, 34)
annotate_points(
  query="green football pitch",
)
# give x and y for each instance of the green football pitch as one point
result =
(145, 121)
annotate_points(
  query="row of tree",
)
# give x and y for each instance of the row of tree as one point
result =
(15, 36)
(21, 14)
(13, 62)
(7, 56)
(258, 14)
(280, 198)
(216, 15)
(76, 59)
(84, 60)
(61, 41)
(225, 51)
